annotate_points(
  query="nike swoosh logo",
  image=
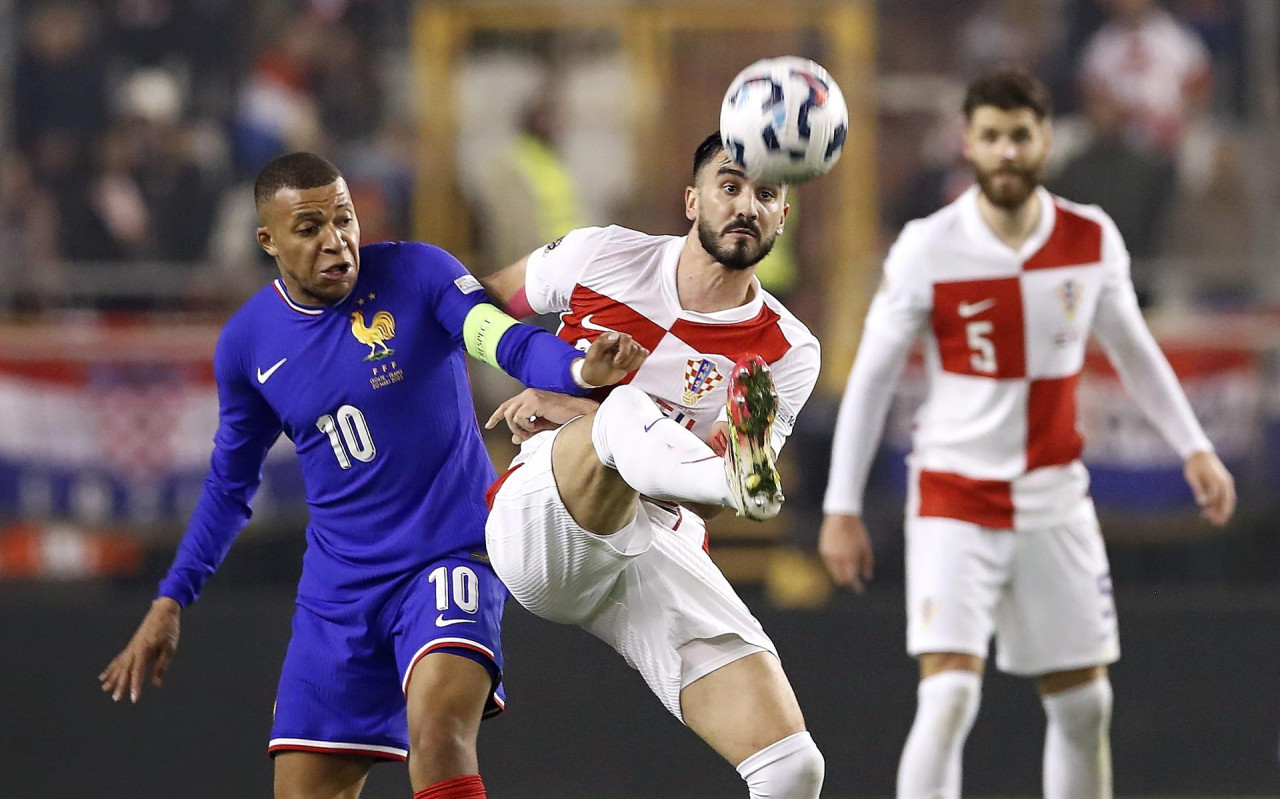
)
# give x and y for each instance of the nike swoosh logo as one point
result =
(651, 424)
(441, 621)
(589, 325)
(968, 309)
(265, 376)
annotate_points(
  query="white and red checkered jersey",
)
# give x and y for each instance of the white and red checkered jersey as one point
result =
(1005, 331)
(610, 278)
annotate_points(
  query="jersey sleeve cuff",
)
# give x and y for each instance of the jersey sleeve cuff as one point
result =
(833, 507)
(182, 594)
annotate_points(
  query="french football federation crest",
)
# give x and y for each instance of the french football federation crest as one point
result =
(700, 378)
(1069, 297)
(375, 334)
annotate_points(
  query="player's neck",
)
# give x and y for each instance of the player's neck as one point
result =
(1013, 226)
(305, 298)
(705, 285)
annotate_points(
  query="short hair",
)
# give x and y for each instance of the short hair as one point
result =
(706, 152)
(1008, 88)
(293, 171)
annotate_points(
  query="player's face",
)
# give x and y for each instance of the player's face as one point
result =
(315, 238)
(1007, 150)
(738, 220)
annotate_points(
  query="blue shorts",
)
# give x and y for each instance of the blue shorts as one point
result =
(342, 686)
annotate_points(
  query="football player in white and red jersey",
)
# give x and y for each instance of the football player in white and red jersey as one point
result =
(612, 538)
(1004, 285)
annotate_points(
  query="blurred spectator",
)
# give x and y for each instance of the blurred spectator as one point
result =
(59, 81)
(1012, 32)
(1154, 68)
(276, 111)
(1131, 185)
(347, 91)
(177, 180)
(943, 175)
(30, 216)
(529, 195)
(146, 32)
(1220, 25)
(115, 198)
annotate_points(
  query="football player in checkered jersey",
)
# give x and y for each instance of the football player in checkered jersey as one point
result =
(1005, 285)
(599, 522)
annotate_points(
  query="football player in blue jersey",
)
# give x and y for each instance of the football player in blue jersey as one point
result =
(357, 355)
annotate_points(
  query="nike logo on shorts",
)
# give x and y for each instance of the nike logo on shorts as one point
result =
(441, 621)
(650, 425)
(265, 376)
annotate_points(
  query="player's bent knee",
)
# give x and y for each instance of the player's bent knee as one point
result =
(792, 768)
(948, 703)
(1082, 713)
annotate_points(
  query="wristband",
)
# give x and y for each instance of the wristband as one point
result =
(575, 370)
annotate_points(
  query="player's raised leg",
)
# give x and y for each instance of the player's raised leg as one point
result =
(1077, 742)
(748, 713)
(313, 775)
(446, 696)
(947, 704)
(629, 447)
(604, 461)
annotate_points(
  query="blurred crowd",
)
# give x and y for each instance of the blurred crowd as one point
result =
(135, 125)
(1149, 99)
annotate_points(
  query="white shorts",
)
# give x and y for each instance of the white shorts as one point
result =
(650, 590)
(1044, 593)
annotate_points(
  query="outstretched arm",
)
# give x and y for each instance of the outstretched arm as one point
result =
(530, 354)
(246, 429)
(540, 360)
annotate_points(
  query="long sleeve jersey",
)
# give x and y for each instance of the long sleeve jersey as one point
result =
(1005, 332)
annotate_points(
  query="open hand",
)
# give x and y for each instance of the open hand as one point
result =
(533, 410)
(846, 549)
(156, 639)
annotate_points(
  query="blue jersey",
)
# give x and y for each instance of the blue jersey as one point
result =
(374, 394)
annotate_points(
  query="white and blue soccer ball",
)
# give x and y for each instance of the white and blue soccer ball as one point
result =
(785, 120)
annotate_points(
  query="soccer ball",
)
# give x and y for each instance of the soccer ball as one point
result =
(784, 119)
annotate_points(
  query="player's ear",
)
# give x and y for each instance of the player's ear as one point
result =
(690, 203)
(266, 242)
(786, 209)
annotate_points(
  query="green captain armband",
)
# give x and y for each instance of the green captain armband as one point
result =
(482, 330)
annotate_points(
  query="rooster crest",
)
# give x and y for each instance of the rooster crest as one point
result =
(376, 334)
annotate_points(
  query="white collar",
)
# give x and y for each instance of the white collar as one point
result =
(977, 227)
(671, 292)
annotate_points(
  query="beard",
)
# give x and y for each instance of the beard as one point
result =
(1010, 194)
(735, 254)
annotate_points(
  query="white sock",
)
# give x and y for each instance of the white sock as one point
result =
(655, 455)
(792, 768)
(1077, 742)
(946, 707)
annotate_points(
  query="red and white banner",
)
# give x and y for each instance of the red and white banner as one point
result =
(107, 423)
